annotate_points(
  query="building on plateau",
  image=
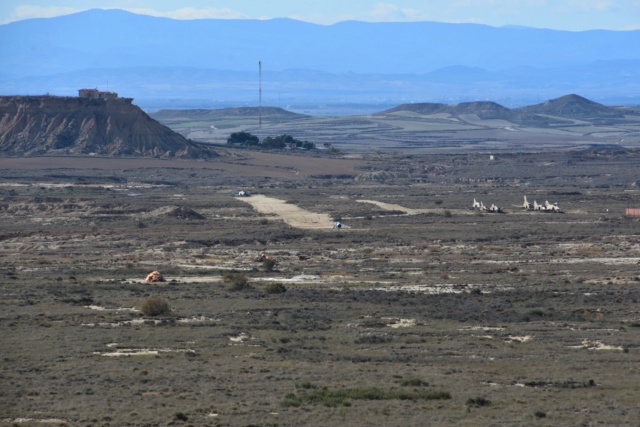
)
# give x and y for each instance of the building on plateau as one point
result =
(96, 94)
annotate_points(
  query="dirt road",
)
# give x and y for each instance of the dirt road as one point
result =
(289, 213)
(410, 211)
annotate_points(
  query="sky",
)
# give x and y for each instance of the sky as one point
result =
(570, 15)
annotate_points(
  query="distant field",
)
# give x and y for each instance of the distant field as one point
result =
(240, 163)
(401, 130)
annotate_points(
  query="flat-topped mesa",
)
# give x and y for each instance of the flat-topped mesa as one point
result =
(94, 123)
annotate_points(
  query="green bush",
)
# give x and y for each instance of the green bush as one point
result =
(155, 306)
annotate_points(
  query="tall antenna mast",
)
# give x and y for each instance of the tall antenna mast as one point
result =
(260, 92)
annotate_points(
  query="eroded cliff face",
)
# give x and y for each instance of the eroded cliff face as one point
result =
(48, 125)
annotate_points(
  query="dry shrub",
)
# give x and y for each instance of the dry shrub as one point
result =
(269, 264)
(275, 288)
(478, 401)
(155, 306)
(588, 252)
(495, 248)
(497, 269)
(236, 281)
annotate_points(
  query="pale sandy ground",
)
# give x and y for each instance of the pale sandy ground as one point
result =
(392, 207)
(410, 211)
(301, 218)
(289, 213)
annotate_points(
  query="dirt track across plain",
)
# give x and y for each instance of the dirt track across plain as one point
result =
(289, 213)
(410, 211)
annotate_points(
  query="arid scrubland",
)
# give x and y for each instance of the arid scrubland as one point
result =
(418, 311)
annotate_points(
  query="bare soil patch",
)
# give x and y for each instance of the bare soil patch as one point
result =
(289, 213)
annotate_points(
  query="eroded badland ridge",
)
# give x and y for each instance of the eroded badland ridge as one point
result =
(51, 125)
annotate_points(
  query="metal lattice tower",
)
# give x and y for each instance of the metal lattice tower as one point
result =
(260, 92)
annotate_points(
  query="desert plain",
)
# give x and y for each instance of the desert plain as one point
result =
(418, 311)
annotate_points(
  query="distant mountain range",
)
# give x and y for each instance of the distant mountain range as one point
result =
(215, 62)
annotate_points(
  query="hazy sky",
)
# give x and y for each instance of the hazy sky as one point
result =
(573, 15)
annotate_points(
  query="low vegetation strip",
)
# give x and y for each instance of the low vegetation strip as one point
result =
(289, 213)
(339, 397)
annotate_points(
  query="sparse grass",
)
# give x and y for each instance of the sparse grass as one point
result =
(342, 397)
(373, 339)
(478, 401)
(307, 385)
(413, 382)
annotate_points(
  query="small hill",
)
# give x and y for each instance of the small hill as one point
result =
(178, 212)
(548, 113)
(573, 107)
(483, 109)
(50, 125)
(424, 108)
(486, 110)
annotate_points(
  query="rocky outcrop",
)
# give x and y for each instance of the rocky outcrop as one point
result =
(51, 125)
